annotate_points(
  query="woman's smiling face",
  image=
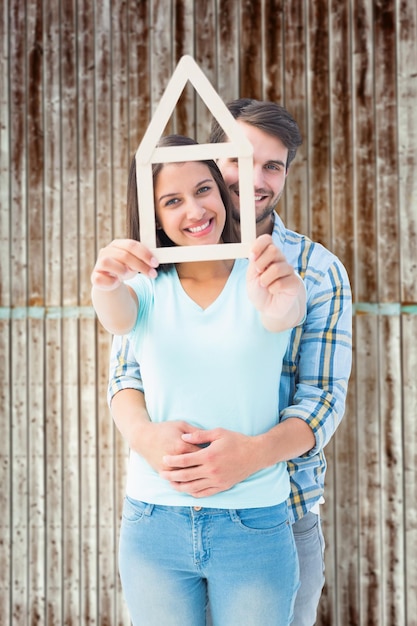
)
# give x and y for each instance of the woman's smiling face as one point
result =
(188, 205)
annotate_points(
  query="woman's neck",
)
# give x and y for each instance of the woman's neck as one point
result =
(204, 270)
(204, 281)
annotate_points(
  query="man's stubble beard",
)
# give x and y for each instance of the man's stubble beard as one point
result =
(268, 212)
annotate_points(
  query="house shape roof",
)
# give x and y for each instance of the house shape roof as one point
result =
(148, 153)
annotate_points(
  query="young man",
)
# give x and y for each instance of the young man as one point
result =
(314, 378)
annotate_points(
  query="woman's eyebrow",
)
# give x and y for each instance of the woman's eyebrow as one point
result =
(202, 182)
(168, 195)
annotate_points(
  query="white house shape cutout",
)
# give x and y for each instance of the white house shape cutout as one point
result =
(149, 153)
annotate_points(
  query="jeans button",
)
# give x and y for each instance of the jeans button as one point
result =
(197, 508)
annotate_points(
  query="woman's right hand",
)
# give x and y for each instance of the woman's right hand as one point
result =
(120, 260)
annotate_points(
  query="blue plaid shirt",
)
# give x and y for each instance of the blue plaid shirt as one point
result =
(316, 366)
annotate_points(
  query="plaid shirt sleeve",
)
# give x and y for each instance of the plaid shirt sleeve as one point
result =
(124, 371)
(317, 366)
(318, 361)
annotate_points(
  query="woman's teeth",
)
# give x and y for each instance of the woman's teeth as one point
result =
(198, 229)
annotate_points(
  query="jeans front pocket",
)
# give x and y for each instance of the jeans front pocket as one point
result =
(135, 510)
(263, 520)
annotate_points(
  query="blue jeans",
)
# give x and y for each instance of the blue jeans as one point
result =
(174, 560)
(310, 548)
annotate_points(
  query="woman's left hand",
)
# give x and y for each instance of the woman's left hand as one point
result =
(273, 286)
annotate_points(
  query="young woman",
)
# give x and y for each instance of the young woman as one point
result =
(208, 336)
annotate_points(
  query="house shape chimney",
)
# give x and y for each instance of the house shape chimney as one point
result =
(148, 153)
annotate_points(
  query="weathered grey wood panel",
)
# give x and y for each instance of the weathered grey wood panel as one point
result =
(79, 82)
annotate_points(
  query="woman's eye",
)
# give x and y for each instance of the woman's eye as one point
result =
(171, 202)
(203, 189)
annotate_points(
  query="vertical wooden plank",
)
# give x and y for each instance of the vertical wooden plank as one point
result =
(53, 337)
(205, 56)
(96, 373)
(341, 149)
(369, 470)
(106, 513)
(18, 152)
(406, 20)
(96, 490)
(18, 346)
(364, 153)
(36, 473)
(109, 577)
(35, 458)
(161, 62)
(365, 284)
(344, 494)
(108, 519)
(409, 365)
(100, 445)
(227, 49)
(139, 79)
(94, 192)
(52, 156)
(392, 492)
(388, 272)
(386, 151)
(6, 500)
(5, 324)
(250, 60)
(104, 499)
(121, 461)
(319, 121)
(5, 154)
(69, 105)
(279, 70)
(35, 152)
(55, 531)
(274, 50)
(121, 41)
(72, 532)
(85, 122)
(120, 125)
(19, 468)
(294, 205)
(183, 43)
(72, 538)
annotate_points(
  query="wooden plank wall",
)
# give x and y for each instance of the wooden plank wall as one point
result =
(78, 83)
